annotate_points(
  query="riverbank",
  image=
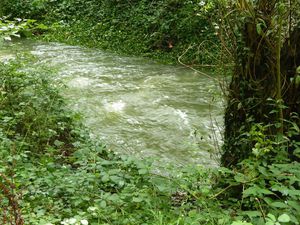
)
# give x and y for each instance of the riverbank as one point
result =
(164, 30)
(54, 173)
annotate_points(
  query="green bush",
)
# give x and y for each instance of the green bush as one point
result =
(265, 187)
(32, 112)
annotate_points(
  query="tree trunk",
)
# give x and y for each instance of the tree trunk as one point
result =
(264, 70)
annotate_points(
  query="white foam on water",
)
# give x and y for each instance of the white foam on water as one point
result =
(183, 116)
(117, 106)
(133, 121)
(80, 82)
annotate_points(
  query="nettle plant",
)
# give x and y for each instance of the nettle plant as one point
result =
(266, 185)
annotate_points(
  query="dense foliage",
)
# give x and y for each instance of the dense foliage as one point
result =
(53, 173)
(168, 28)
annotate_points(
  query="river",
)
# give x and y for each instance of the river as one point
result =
(136, 105)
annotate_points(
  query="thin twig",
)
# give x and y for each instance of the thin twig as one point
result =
(192, 68)
(222, 191)
(261, 210)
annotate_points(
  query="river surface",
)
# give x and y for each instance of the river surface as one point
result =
(135, 105)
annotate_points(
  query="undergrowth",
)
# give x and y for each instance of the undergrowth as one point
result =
(60, 175)
(53, 173)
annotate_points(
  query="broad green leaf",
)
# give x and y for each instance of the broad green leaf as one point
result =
(143, 171)
(42, 26)
(250, 191)
(294, 193)
(105, 178)
(241, 223)
(103, 204)
(284, 218)
(137, 200)
(252, 214)
(271, 217)
(295, 205)
(279, 205)
(241, 178)
(255, 190)
(269, 223)
(114, 198)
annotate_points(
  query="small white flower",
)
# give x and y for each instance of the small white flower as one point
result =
(84, 222)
